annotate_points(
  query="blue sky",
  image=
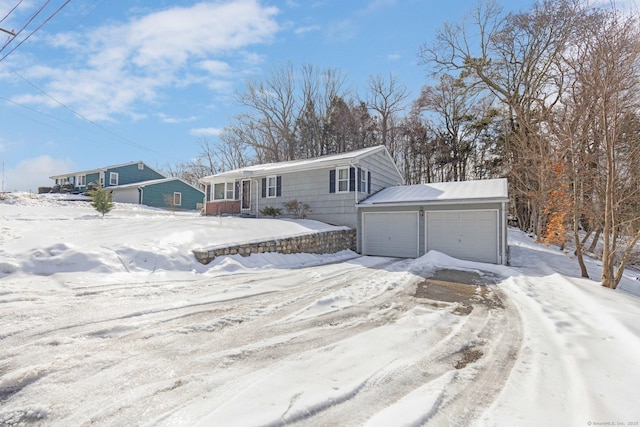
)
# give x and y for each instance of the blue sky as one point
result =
(108, 82)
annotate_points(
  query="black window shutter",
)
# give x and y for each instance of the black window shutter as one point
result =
(358, 183)
(264, 187)
(368, 182)
(332, 181)
(279, 186)
(352, 179)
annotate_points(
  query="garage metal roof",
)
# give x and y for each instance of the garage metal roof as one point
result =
(494, 190)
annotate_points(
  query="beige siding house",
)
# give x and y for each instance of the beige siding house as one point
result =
(331, 185)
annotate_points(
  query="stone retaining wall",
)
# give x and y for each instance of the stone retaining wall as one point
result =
(327, 242)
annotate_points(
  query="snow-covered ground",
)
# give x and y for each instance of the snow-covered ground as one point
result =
(112, 322)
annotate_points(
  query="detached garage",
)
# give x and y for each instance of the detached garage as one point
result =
(466, 220)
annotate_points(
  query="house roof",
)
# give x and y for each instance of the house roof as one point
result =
(143, 184)
(441, 192)
(332, 160)
(102, 169)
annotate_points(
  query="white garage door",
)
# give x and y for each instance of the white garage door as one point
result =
(393, 234)
(470, 235)
(128, 195)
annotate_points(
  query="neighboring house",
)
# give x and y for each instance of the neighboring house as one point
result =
(135, 182)
(331, 185)
(466, 220)
(172, 193)
(109, 176)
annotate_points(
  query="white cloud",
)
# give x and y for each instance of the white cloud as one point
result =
(111, 68)
(205, 132)
(215, 67)
(379, 4)
(307, 29)
(29, 174)
(175, 120)
(340, 31)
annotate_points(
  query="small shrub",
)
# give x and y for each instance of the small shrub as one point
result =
(299, 209)
(169, 200)
(101, 200)
(270, 211)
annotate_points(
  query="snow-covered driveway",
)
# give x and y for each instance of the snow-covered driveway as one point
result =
(345, 343)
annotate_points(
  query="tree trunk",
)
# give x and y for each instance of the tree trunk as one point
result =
(576, 236)
(594, 242)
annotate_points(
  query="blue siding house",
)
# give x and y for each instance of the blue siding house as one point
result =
(134, 182)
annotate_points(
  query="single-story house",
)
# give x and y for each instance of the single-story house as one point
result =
(466, 220)
(135, 182)
(363, 190)
(331, 185)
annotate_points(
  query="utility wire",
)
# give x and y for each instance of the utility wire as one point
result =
(74, 112)
(31, 18)
(77, 114)
(11, 11)
(36, 29)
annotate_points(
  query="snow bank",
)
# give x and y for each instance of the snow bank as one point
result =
(51, 233)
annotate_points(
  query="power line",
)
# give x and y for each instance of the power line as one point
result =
(77, 114)
(31, 18)
(74, 112)
(10, 12)
(36, 29)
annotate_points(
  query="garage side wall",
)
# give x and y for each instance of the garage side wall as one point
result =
(156, 195)
(424, 208)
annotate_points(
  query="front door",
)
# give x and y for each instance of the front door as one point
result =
(246, 195)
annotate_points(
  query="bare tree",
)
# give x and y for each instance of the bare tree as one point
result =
(387, 98)
(190, 172)
(319, 89)
(607, 69)
(272, 111)
(454, 107)
(416, 153)
(516, 57)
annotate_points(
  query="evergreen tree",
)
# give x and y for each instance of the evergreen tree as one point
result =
(101, 200)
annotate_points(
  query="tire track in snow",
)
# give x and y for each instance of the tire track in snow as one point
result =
(464, 393)
(104, 343)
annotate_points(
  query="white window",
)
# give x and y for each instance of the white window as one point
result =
(272, 184)
(342, 181)
(82, 180)
(223, 191)
(140, 166)
(113, 178)
(362, 180)
(177, 199)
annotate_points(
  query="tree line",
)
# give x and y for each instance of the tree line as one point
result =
(547, 97)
